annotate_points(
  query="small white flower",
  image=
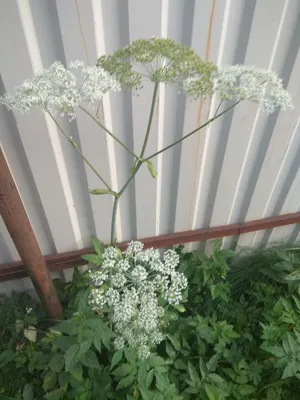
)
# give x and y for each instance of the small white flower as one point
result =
(59, 90)
(240, 82)
(135, 280)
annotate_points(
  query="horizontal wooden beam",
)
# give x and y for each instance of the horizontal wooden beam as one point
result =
(70, 259)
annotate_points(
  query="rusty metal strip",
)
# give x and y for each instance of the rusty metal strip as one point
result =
(70, 259)
(18, 225)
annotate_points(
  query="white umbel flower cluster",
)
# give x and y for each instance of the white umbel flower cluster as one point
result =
(264, 87)
(241, 82)
(137, 286)
(60, 90)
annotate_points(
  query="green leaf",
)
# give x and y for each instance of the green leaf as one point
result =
(211, 392)
(294, 276)
(170, 351)
(155, 361)
(90, 360)
(6, 356)
(106, 335)
(293, 345)
(246, 389)
(193, 373)
(76, 372)
(180, 364)
(123, 370)
(213, 362)
(100, 191)
(116, 358)
(56, 394)
(63, 380)
(72, 356)
(277, 351)
(203, 368)
(27, 392)
(49, 381)
(98, 246)
(142, 374)
(64, 342)
(151, 169)
(93, 258)
(57, 362)
(216, 378)
(127, 381)
(70, 327)
(290, 370)
(149, 378)
(130, 355)
(85, 346)
(98, 343)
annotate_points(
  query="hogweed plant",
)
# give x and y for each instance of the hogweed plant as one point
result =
(136, 287)
(61, 91)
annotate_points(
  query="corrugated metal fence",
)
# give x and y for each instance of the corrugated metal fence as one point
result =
(244, 166)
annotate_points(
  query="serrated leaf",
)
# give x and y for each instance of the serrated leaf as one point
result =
(127, 381)
(76, 371)
(70, 327)
(151, 169)
(155, 361)
(49, 381)
(6, 356)
(63, 380)
(293, 345)
(93, 258)
(211, 392)
(142, 374)
(213, 363)
(57, 362)
(89, 359)
(64, 342)
(216, 378)
(290, 370)
(246, 389)
(27, 392)
(294, 276)
(56, 394)
(203, 368)
(98, 245)
(193, 373)
(98, 343)
(72, 356)
(149, 378)
(123, 370)
(116, 358)
(277, 351)
(170, 351)
(85, 346)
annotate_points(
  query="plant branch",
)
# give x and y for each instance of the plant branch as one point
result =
(108, 131)
(135, 170)
(79, 152)
(116, 202)
(191, 133)
(150, 119)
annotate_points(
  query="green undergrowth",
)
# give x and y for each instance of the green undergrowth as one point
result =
(235, 336)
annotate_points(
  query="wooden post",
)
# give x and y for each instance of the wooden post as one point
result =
(18, 225)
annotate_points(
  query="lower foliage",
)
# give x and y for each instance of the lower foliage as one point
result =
(235, 335)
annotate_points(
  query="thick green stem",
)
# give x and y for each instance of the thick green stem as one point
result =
(108, 131)
(70, 140)
(150, 119)
(191, 133)
(116, 202)
(137, 167)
